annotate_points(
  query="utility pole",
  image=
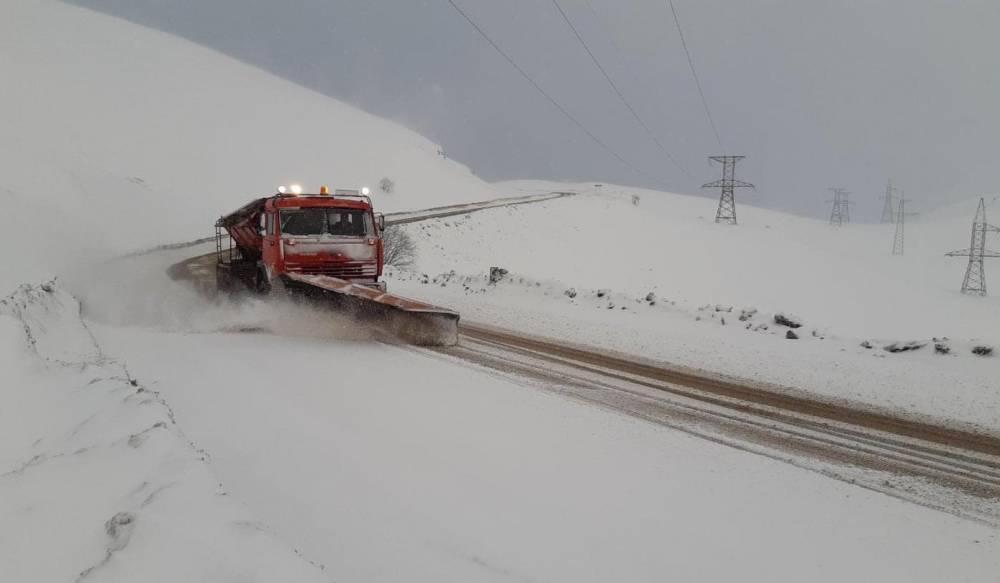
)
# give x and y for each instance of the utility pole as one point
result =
(889, 207)
(841, 207)
(901, 214)
(727, 201)
(975, 276)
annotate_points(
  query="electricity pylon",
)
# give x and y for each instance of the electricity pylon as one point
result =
(889, 208)
(841, 212)
(727, 201)
(898, 241)
(975, 276)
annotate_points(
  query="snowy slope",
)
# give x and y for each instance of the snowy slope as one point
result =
(842, 284)
(842, 278)
(116, 137)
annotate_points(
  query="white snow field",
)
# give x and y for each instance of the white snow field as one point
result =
(168, 445)
(842, 284)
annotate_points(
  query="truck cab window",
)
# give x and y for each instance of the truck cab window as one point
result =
(326, 221)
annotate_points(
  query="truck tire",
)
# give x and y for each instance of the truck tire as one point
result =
(261, 283)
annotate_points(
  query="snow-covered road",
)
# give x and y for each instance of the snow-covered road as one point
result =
(385, 464)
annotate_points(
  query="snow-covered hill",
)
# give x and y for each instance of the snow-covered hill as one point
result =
(582, 268)
(114, 137)
(845, 279)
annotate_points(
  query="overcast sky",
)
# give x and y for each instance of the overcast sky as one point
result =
(816, 93)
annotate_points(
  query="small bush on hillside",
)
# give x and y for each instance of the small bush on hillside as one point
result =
(400, 248)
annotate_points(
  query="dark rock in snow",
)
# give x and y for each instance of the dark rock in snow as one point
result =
(747, 313)
(904, 346)
(497, 274)
(982, 350)
(791, 335)
(119, 530)
(651, 297)
(786, 320)
(571, 292)
(603, 292)
(941, 348)
(866, 344)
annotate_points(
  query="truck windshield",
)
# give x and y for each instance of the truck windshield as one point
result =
(325, 221)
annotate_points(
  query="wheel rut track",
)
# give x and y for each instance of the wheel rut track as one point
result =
(835, 440)
(733, 390)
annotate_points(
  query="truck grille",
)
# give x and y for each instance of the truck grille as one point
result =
(341, 270)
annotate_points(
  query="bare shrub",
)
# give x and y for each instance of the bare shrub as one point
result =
(400, 248)
(386, 185)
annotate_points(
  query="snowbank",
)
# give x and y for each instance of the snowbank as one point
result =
(97, 483)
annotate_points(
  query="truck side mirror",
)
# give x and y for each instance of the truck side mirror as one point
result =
(380, 220)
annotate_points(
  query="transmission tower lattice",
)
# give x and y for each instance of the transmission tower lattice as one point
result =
(889, 208)
(898, 242)
(975, 276)
(727, 201)
(841, 212)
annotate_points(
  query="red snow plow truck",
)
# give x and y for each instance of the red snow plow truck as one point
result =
(326, 246)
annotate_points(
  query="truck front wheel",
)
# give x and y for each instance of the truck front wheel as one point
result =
(262, 284)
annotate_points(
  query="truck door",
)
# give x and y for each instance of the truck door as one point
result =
(271, 249)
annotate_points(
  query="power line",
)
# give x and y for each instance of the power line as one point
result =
(694, 73)
(611, 39)
(544, 94)
(607, 77)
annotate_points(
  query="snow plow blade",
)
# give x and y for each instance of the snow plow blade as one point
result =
(412, 321)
